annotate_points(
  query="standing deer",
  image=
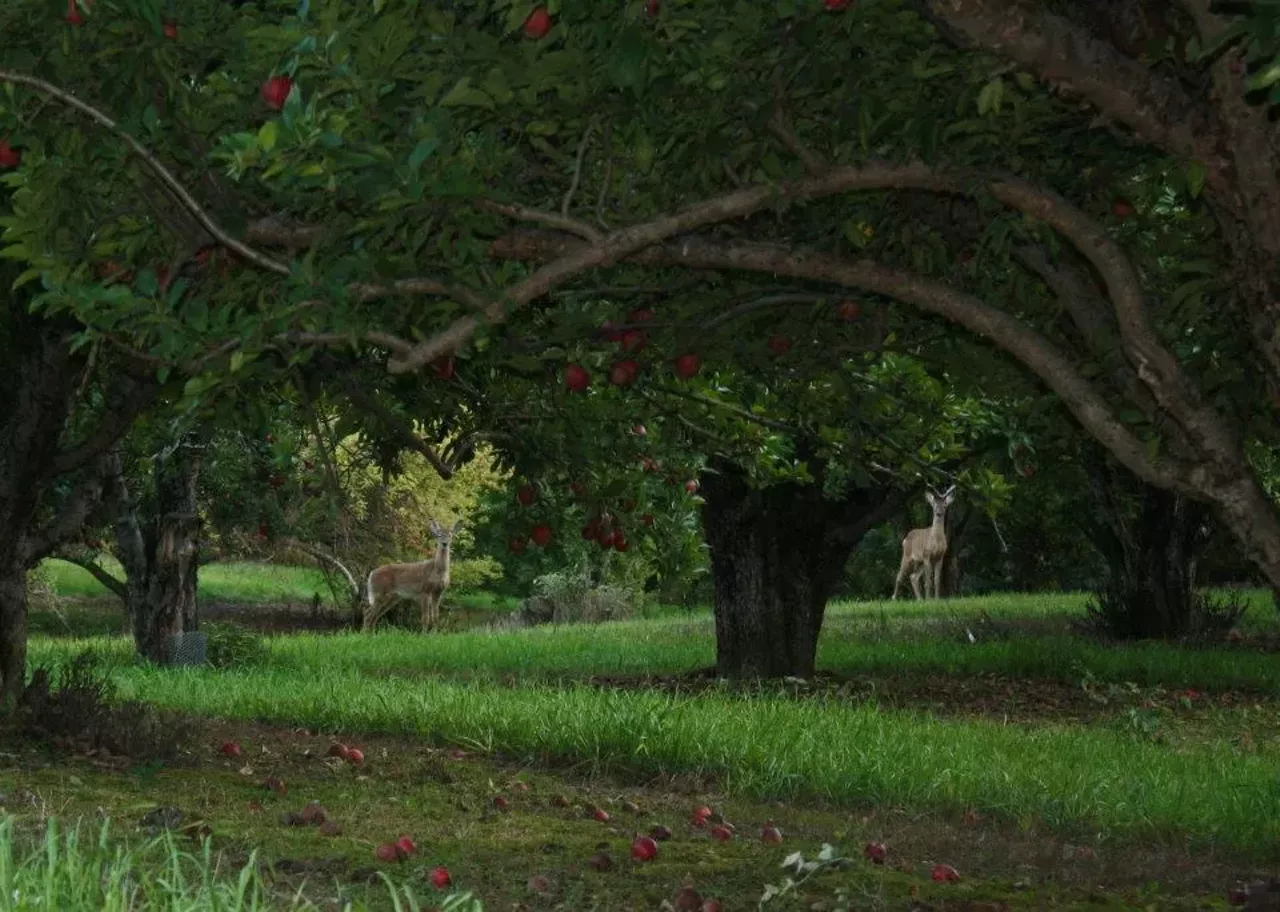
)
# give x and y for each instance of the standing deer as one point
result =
(423, 581)
(923, 550)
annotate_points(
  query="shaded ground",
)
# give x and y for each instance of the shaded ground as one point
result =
(445, 799)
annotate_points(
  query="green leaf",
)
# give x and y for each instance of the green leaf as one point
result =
(464, 94)
(422, 151)
(268, 134)
(29, 276)
(237, 361)
(991, 96)
(1196, 173)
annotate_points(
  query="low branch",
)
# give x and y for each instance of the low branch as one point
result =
(325, 557)
(1034, 351)
(68, 525)
(122, 410)
(115, 586)
(166, 177)
(401, 428)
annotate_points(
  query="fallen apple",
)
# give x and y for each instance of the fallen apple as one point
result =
(771, 835)
(721, 832)
(231, 749)
(688, 900)
(875, 852)
(440, 877)
(944, 873)
(387, 851)
(644, 848)
(407, 845)
(501, 803)
(355, 755)
(339, 750)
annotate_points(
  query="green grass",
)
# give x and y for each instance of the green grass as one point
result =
(243, 583)
(768, 746)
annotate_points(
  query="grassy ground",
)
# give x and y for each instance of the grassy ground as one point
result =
(1051, 770)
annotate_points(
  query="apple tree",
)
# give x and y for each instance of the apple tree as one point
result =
(366, 174)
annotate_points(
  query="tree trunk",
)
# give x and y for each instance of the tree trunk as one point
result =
(776, 556)
(37, 402)
(161, 553)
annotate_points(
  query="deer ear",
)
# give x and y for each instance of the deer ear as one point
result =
(435, 527)
(457, 525)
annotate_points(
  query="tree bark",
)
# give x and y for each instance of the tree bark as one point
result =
(160, 553)
(776, 556)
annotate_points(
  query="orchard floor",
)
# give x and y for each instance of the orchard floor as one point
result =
(444, 799)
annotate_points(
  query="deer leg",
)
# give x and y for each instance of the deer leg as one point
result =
(424, 605)
(370, 617)
(916, 577)
(937, 579)
(897, 584)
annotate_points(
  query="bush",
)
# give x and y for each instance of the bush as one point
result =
(82, 713)
(569, 597)
(472, 574)
(1132, 612)
(232, 646)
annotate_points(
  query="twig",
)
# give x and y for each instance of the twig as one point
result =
(728, 407)
(758, 303)
(577, 169)
(563, 221)
(164, 174)
(399, 426)
(608, 176)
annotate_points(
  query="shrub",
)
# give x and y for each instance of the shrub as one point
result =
(82, 713)
(233, 646)
(570, 597)
(1139, 611)
(471, 574)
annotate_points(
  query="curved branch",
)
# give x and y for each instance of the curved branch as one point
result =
(116, 587)
(1033, 350)
(1064, 54)
(166, 177)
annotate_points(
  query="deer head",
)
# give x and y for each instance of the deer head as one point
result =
(940, 502)
(444, 535)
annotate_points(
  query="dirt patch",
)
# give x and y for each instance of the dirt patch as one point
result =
(546, 825)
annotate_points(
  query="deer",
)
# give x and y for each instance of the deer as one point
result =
(422, 581)
(923, 550)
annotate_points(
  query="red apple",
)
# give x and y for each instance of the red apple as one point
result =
(576, 378)
(647, 519)
(232, 749)
(9, 156)
(74, 16)
(440, 877)
(722, 832)
(620, 544)
(501, 802)
(650, 464)
(355, 755)
(171, 30)
(1122, 209)
(601, 814)
(624, 373)
(444, 367)
(691, 486)
(701, 814)
(640, 430)
(541, 535)
(517, 544)
(387, 851)
(527, 495)
(944, 873)
(837, 4)
(313, 814)
(779, 345)
(712, 905)
(275, 91)
(633, 340)
(687, 366)
(407, 845)
(771, 835)
(875, 852)
(644, 848)
(339, 750)
(538, 23)
(850, 311)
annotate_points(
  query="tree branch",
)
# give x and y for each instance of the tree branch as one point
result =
(165, 176)
(116, 587)
(401, 428)
(68, 524)
(1064, 54)
(115, 422)
(520, 213)
(1033, 350)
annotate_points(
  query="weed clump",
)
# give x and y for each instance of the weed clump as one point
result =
(572, 598)
(75, 706)
(233, 646)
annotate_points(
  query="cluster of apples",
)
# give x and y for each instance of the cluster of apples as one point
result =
(541, 534)
(631, 338)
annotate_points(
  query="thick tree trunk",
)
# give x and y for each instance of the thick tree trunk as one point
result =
(161, 554)
(776, 556)
(37, 402)
(13, 632)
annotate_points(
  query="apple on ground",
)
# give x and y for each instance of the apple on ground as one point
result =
(944, 873)
(721, 832)
(387, 851)
(355, 756)
(232, 749)
(339, 750)
(688, 900)
(440, 877)
(644, 848)
(875, 852)
(501, 803)
(771, 835)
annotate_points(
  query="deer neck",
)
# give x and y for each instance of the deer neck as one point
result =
(441, 560)
(938, 530)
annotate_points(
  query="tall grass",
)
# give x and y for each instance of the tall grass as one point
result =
(76, 870)
(768, 746)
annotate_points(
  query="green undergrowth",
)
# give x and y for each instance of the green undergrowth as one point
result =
(771, 747)
(78, 868)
